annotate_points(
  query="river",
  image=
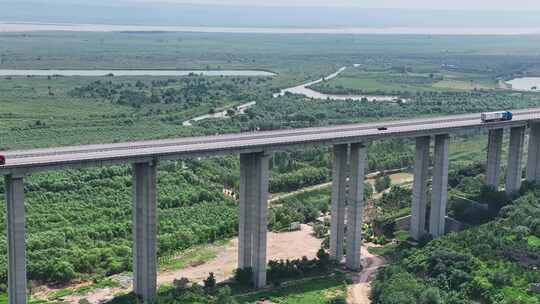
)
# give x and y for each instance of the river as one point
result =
(304, 89)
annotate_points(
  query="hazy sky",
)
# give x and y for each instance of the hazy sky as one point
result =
(414, 4)
(257, 13)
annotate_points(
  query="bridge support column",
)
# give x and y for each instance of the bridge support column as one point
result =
(245, 219)
(16, 230)
(145, 230)
(439, 192)
(419, 199)
(355, 210)
(515, 154)
(339, 180)
(533, 160)
(253, 220)
(494, 158)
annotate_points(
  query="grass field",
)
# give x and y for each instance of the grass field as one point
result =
(414, 79)
(311, 291)
(195, 255)
(38, 112)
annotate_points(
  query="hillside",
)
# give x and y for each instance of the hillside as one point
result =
(496, 262)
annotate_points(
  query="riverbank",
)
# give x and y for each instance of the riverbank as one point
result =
(526, 84)
(306, 90)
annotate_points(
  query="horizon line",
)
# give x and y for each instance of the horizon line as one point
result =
(26, 26)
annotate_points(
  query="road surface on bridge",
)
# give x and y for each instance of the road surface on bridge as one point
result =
(172, 149)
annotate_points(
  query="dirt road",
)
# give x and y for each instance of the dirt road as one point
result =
(359, 291)
(281, 196)
(400, 178)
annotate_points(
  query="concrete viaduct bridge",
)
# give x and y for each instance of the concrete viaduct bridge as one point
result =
(349, 149)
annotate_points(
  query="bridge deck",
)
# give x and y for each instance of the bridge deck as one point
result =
(171, 149)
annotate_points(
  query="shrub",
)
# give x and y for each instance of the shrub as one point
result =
(323, 259)
(180, 285)
(210, 283)
(430, 296)
(243, 276)
(521, 232)
(382, 183)
(320, 230)
(224, 296)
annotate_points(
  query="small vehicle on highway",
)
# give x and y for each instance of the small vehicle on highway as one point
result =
(382, 128)
(496, 116)
(2, 160)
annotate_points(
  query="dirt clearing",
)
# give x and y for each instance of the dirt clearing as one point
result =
(287, 245)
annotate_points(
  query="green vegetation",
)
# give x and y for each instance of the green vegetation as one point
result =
(382, 183)
(195, 255)
(73, 232)
(79, 222)
(494, 263)
(330, 289)
(182, 291)
(278, 271)
(405, 81)
(187, 92)
(240, 289)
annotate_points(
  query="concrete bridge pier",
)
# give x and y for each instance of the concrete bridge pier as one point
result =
(253, 217)
(515, 154)
(439, 193)
(533, 160)
(16, 231)
(419, 199)
(494, 157)
(145, 230)
(355, 210)
(339, 188)
(245, 219)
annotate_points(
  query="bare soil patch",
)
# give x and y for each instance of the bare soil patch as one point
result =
(287, 245)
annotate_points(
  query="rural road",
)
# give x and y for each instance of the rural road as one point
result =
(360, 290)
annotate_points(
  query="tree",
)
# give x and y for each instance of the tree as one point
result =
(62, 271)
(430, 296)
(521, 232)
(323, 259)
(382, 183)
(243, 275)
(320, 230)
(210, 283)
(368, 191)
